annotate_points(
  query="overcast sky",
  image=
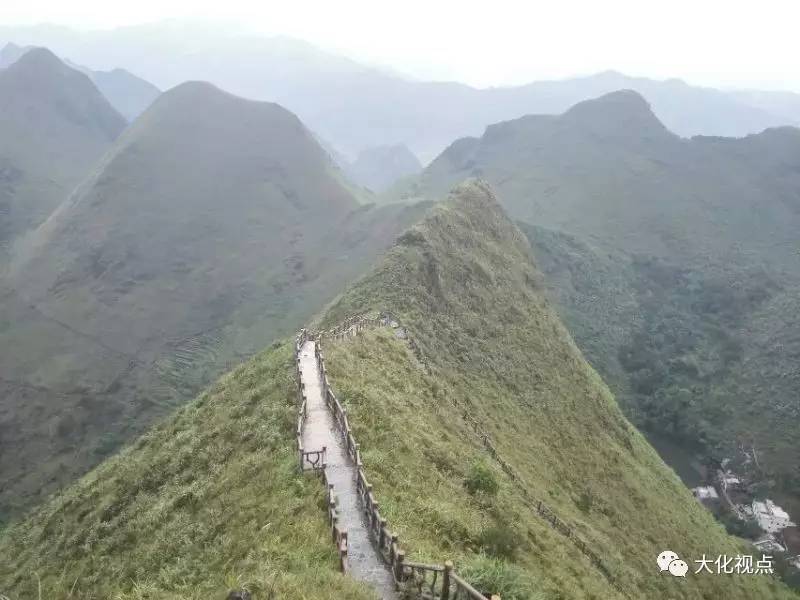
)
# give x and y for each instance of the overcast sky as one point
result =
(722, 43)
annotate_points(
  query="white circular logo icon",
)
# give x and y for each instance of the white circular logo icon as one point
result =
(671, 562)
(678, 568)
(666, 557)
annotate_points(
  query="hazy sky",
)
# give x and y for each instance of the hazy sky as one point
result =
(724, 43)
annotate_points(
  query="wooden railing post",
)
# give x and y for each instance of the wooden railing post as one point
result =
(382, 536)
(373, 517)
(448, 570)
(398, 566)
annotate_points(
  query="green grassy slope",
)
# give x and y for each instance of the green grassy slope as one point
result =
(213, 226)
(669, 259)
(210, 500)
(464, 283)
(54, 124)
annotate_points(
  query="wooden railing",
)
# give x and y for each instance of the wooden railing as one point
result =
(425, 581)
(355, 325)
(338, 533)
(352, 326)
(348, 329)
(315, 460)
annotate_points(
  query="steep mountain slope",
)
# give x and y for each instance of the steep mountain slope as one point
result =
(596, 296)
(379, 167)
(356, 107)
(768, 387)
(487, 344)
(10, 54)
(54, 124)
(673, 257)
(212, 225)
(127, 93)
(209, 499)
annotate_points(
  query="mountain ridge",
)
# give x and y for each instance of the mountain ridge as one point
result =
(126, 92)
(225, 466)
(54, 124)
(670, 256)
(212, 225)
(463, 286)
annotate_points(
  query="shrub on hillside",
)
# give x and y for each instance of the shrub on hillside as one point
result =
(499, 541)
(481, 479)
(494, 576)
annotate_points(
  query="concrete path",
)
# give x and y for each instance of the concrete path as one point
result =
(320, 430)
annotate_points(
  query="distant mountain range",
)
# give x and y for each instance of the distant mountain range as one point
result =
(126, 92)
(355, 107)
(610, 171)
(377, 168)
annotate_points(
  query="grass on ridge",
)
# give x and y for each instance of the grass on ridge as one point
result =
(464, 283)
(208, 501)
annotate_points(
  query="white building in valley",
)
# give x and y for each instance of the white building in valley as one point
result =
(770, 517)
(705, 492)
(769, 544)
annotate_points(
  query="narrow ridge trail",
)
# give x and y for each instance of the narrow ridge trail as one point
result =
(363, 559)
